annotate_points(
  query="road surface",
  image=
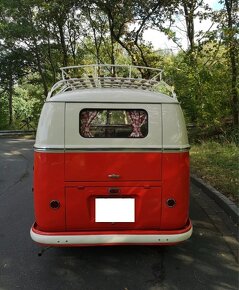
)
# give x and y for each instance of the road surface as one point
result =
(206, 261)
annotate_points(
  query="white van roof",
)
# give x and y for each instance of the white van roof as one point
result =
(112, 95)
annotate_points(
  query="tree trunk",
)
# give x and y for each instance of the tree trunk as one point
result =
(36, 51)
(63, 44)
(233, 59)
(235, 110)
(10, 95)
(40, 70)
(189, 19)
(112, 56)
(50, 54)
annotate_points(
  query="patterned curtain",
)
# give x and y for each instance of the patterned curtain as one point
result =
(138, 118)
(86, 119)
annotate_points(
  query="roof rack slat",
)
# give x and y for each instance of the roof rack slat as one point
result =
(110, 76)
(92, 81)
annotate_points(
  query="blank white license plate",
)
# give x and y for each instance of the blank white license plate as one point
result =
(115, 210)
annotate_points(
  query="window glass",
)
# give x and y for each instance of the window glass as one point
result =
(110, 123)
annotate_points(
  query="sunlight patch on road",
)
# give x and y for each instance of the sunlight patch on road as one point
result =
(14, 152)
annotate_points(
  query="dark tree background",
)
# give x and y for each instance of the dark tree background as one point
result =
(37, 37)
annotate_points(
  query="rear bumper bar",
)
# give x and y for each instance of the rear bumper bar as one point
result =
(135, 237)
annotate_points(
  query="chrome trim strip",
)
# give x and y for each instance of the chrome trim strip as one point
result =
(71, 150)
(48, 150)
(185, 149)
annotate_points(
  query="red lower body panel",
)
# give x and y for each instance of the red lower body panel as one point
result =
(80, 205)
(75, 180)
(97, 166)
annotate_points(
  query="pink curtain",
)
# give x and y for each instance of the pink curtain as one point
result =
(86, 119)
(138, 118)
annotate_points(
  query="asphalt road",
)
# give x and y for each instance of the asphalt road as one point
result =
(206, 261)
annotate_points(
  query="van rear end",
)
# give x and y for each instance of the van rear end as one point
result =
(111, 167)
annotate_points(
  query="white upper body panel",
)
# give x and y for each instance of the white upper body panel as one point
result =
(174, 127)
(73, 139)
(50, 131)
(59, 124)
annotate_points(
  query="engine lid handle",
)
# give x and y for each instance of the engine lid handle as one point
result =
(114, 176)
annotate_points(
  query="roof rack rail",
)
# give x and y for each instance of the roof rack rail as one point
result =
(111, 76)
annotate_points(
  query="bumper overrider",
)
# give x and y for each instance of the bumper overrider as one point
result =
(97, 238)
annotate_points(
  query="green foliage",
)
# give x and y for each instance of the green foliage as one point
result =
(26, 107)
(27, 103)
(202, 88)
(3, 112)
(38, 37)
(219, 165)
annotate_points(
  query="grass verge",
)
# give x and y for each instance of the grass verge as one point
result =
(217, 164)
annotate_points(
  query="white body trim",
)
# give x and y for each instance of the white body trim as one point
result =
(109, 239)
(73, 139)
(50, 131)
(58, 127)
(174, 128)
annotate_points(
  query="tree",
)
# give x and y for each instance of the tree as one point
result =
(229, 19)
(127, 21)
(39, 36)
(13, 65)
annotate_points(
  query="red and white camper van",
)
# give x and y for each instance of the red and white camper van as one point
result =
(111, 161)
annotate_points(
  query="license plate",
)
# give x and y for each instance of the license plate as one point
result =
(115, 210)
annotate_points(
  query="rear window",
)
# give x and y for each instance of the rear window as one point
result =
(111, 123)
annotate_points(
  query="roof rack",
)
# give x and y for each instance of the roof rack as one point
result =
(111, 76)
